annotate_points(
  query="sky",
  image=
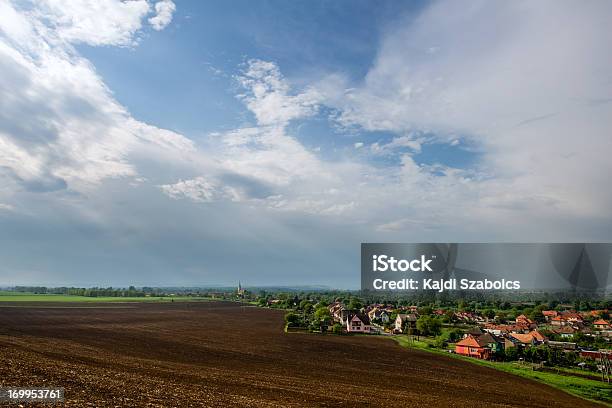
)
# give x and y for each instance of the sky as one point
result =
(192, 143)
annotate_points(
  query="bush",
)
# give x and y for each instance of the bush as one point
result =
(292, 319)
(455, 335)
(337, 328)
(429, 326)
(440, 342)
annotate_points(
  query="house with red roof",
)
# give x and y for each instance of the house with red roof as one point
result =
(524, 339)
(596, 355)
(596, 313)
(471, 346)
(601, 324)
(524, 321)
(572, 317)
(558, 321)
(537, 336)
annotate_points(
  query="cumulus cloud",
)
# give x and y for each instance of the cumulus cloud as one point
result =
(534, 99)
(164, 9)
(263, 164)
(199, 189)
(60, 126)
(100, 22)
(268, 95)
(410, 142)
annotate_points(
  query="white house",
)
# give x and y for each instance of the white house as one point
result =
(358, 323)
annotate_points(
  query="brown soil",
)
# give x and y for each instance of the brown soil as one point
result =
(224, 354)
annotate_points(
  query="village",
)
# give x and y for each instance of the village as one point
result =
(558, 336)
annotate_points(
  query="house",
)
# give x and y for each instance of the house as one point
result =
(474, 331)
(472, 347)
(563, 345)
(538, 337)
(596, 355)
(532, 338)
(358, 323)
(549, 314)
(508, 343)
(572, 317)
(523, 339)
(403, 321)
(494, 343)
(494, 329)
(378, 314)
(558, 321)
(335, 310)
(601, 324)
(346, 314)
(598, 313)
(384, 316)
(500, 329)
(565, 331)
(466, 317)
(524, 321)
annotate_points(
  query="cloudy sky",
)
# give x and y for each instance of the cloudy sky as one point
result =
(199, 143)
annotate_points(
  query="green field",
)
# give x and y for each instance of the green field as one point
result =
(31, 297)
(589, 389)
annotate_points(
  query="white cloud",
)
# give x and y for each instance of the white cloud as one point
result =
(534, 99)
(520, 95)
(409, 141)
(95, 22)
(60, 126)
(200, 189)
(268, 95)
(263, 165)
(164, 10)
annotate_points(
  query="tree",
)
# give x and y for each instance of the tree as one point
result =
(511, 353)
(320, 304)
(440, 342)
(489, 313)
(537, 315)
(322, 314)
(429, 326)
(502, 317)
(355, 304)
(450, 316)
(454, 335)
(292, 319)
(425, 310)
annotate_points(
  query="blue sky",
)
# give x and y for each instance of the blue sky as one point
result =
(198, 143)
(183, 77)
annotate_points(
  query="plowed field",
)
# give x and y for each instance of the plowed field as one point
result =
(224, 354)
